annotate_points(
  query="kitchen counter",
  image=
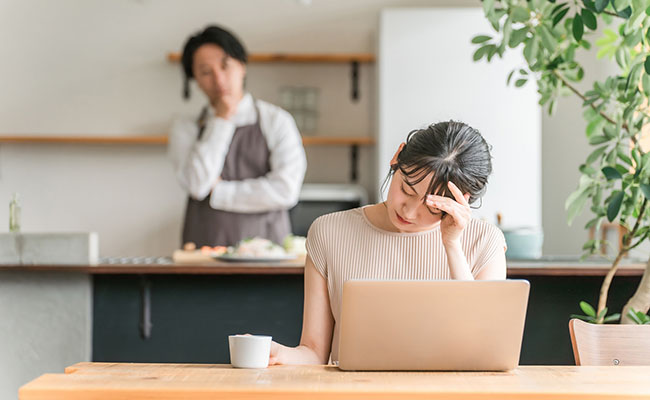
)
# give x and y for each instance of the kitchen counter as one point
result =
(148, 309)
(552, 266)
(213, 381)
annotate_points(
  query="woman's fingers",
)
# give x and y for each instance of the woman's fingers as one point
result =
(273, 356)
(459, 212)
(458, 195)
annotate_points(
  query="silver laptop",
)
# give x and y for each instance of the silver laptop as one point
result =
(432, 325)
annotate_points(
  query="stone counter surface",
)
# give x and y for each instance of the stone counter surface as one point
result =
(164, 265)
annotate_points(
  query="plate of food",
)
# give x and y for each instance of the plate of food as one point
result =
(256, 250)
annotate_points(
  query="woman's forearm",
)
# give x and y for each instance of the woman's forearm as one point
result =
(458, 266)
(300, 355)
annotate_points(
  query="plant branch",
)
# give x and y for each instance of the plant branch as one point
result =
(605, 11)
(566, 83)
(643, 238)
(604, 289)
(613, 14)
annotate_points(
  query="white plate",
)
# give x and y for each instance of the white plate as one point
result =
(237, 258)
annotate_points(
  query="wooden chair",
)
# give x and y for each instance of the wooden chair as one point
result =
(610, 344)
(604, 228)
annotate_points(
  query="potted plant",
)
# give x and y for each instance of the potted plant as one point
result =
(615, 177)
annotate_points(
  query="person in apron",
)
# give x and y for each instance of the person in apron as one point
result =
(242, 162)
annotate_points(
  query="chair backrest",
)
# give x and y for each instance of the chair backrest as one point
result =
(610, 344)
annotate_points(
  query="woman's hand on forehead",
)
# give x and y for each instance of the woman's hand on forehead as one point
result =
(458, 207)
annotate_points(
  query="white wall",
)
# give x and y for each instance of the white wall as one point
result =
(98, 67)
(426, 74)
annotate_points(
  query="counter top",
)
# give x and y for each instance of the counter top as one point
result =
(205, 381)
(164, 265)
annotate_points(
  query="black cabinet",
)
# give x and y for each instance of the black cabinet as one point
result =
(192, 315)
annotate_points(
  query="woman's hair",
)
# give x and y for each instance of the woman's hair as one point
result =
(452, 151)
(210, 35)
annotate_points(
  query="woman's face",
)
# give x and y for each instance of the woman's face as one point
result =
(406, 208)
(217, 74)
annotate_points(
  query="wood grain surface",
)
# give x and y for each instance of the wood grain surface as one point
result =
(205, 381)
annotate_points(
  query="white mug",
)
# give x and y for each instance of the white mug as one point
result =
(249, 351)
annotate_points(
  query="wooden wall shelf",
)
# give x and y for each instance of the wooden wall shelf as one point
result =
(162, 140)
(333, 58)
(85, 139)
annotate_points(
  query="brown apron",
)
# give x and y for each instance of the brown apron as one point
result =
(247, 158)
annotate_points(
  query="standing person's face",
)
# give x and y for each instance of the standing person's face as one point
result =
(219, 76)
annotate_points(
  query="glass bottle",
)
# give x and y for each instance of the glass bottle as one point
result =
(14, 214)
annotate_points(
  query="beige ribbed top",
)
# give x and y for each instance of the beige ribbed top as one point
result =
(345, 245)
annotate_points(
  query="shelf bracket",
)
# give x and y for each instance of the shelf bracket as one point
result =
(355, 80)
(354, 162)
(145, 311)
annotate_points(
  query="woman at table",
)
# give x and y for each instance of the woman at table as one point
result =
(241, 162)
(426, 219)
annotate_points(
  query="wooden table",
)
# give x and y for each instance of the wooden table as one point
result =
(112, 381)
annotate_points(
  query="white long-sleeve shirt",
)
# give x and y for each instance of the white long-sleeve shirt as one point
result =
(198, 163)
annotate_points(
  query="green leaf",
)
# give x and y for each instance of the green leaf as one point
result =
(520, 14)
(598, 139)
(646, 65)
(480, 39)
(589, 19)
(479, 53)
(645, 84)
(645, 188)
(510, 77)
(611, 173)
(632, 39)
(610, 132)
(587, 170)
(634, 317)
(625, 13)
(517, 37)
(520, 82)
(558, 17)
(600, 5)
(587, 309)
(575, 203)
(602, 313)
(595, 124)
(578, 27)
(595, 154)
(548, 40)
(559, 7)
(488, 6)
(590, 4)
(614, 205)
(621, 169)
(491, 51)
(612, 318)
(624, 157)
(590, 244)
(620, 58)
(583, 317)
(592, 222)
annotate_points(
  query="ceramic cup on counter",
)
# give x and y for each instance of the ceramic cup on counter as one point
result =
(524, 243)
(249, 351)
